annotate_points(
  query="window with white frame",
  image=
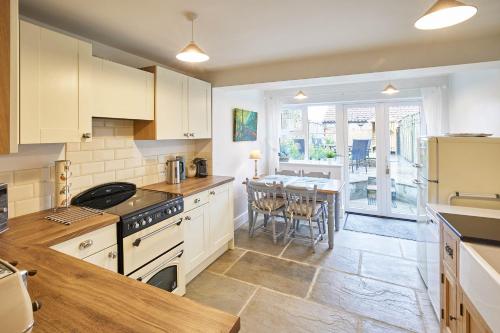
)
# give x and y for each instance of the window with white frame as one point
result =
(308, 132)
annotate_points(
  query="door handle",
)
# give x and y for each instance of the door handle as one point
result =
(138, 241)
(417, 181)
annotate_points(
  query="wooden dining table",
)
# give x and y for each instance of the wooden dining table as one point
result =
(328, 190)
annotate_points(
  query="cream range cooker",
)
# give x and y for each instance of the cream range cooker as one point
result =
(150, 232)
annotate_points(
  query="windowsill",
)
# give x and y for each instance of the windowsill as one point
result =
(336, 163)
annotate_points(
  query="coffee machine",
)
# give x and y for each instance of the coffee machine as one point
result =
(201, 167)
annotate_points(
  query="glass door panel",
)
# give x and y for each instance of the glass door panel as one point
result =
(404, 131)
(360, 154)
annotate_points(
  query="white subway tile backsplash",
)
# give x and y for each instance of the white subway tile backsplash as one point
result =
(111, 155)
(95, 144)
(115, 142)
(27, 176)
(115, 165)
(20, 192)
(79, 156)
(124, 174)
(91, 168)
(103, 155)
(101, 178)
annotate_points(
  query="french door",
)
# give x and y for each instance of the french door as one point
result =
(380, 146)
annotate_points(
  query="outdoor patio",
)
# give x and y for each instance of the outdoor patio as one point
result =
(404, 192)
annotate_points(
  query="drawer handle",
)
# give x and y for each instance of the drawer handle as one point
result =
(86, 244)
(112, 255)
(452, 318)
(211, 192)
(197, 200)
(187, 218)
(449, 250)
(138, 241)
(162, 265)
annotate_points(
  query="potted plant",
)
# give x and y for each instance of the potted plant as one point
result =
(330, 155)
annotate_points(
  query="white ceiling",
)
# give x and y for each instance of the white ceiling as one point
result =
(241, 32)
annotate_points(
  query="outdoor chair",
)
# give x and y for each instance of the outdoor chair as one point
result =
(359, 153)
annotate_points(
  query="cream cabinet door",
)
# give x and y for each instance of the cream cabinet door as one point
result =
(107, 258)
(122, 92)
(199, 109)
(171, 105)
(49, 85)
(196, 240)
(221, 215)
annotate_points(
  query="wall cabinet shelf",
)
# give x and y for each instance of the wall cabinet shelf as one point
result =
(54, 83)
(183, 108)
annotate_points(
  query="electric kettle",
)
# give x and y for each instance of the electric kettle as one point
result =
(16, 308)
(173, 172)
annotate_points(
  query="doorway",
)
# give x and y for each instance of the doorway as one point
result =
(380, 150)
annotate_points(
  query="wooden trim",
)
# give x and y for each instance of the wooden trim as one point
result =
(5, 72)
(146, 129)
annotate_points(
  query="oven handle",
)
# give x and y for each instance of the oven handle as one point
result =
(157, 268)
(138, 241)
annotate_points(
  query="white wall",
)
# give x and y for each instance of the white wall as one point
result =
(474, 101)
(231, 158)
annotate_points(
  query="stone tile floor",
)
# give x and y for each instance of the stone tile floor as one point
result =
(367, 283)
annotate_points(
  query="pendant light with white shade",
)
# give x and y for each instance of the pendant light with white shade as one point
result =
(300, 95)
(390, 90)
(192, 52)
(445, 13)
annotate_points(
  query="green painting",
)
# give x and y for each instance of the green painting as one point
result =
(245, 125)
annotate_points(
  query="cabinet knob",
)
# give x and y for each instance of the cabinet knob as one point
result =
(112, 254)
(197, 200)
(187, 218)
(211, 192)
(186, 135)
(86, 135)
(191, 135)
(86, 244)
(453, 318)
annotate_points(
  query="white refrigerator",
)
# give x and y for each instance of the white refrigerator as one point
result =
(462, 171)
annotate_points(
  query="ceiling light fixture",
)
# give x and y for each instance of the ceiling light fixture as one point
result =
(390, 90)
(300, 95)
(445, 13)
(192, 52)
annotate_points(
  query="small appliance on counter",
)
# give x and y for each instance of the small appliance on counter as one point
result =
(4, 207)
(16, 308)
(201, 167)
(182, 167)
(173, 172)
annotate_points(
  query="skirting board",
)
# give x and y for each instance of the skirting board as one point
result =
(240, 220)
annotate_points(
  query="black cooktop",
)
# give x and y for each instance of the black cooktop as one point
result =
(474, 229)
(122, 199)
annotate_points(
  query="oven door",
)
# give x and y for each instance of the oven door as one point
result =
(165, 272)
(149, 243)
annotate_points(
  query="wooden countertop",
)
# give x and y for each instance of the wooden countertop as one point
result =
(80, 297)
(191, 186)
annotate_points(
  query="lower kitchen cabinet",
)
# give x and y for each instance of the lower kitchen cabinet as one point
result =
(209, 228)
(471, 319)
(449, 316)
(107, 258)
(196, 239)
(458, 314)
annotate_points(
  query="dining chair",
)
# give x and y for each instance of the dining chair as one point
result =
(323, 203)
(301, 205)
(268, 200)
(287, 172)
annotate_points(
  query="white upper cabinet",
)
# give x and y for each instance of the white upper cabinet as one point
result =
(183, 108)
(122, 92)
(50, 83)
(199, 109)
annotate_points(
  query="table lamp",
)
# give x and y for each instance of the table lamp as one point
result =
(255, 155)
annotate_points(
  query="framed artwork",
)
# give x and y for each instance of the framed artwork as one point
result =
(245, 125)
